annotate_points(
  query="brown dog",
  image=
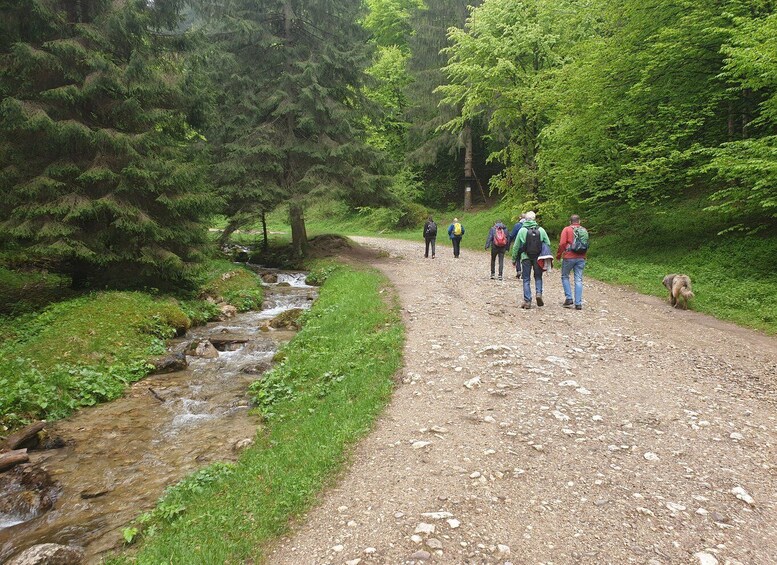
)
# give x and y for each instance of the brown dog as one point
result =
(679, 287)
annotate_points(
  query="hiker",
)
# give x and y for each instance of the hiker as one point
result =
(572, 248)
(430, 236)
(527, 248)
(455, 231)
(497, 240)
(513, 236)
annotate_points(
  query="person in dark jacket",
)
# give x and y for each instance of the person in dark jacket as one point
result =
(513, 236)
(497, 240)
(430, 236)
(455, 233)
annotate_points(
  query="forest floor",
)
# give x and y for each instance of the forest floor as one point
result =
(627, 432)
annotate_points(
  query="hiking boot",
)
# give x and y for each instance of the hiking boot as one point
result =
(568, 303)
(492, 277)
(578, 306)
(526, 305)
(540, 302)
(500, 277)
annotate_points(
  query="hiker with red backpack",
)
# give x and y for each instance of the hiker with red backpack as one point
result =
(497, 240)
(572, 249)
(528, 248)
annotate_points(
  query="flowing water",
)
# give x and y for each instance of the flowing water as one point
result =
(120, 456)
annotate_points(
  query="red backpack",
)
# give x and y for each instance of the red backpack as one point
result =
(500, 237)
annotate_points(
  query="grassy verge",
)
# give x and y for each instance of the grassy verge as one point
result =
(84, 350)
(334, 379)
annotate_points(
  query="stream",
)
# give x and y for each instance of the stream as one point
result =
(120, 456)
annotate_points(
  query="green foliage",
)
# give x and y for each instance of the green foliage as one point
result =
(335, 380)
(94, 141)
(234, 284)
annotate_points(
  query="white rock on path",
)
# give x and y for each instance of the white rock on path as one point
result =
(453, 523)
(472, 383)
(424, 528)
(705, 558)
(437, 515)
(742, 495)
(421, 444)
(650, 456)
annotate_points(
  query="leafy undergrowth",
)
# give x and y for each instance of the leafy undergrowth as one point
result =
(81, 351)
(28, 291)
(334, 379)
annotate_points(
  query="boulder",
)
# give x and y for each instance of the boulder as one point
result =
(270, 278)
(169, 363)
(256, 368)
(49, 554)
(228, 341)
(227, 311)
(28, 492)
(202, 348)
(288, 320)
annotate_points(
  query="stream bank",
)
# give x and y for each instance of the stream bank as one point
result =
(120, 456)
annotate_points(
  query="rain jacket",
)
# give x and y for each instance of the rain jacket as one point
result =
(521, 239)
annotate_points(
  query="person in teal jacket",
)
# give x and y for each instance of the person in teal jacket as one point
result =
(528, 245)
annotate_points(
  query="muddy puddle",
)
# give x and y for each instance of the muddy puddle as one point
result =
(121, 456)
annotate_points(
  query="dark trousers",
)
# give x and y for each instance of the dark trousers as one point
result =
(456, 245)
(429, 241)
(497, 252)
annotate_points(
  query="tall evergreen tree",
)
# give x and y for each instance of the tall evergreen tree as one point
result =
(294, 123)
(93, 142)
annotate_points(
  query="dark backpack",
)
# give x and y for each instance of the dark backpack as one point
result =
(431, 229)
(500, 237)
(533, 245)
(580, 243)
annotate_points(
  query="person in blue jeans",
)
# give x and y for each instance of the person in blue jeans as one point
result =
(527, 250)
(574, 262)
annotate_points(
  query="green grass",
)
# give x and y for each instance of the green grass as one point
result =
(335, 378)
(23, 292)
(80, 351)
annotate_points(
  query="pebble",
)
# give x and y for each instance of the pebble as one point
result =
(370, 550)
(354, 561)
(472, 383)
(424, 528)
(338, 548)
(434, 543)
(597, 418)
(674, 507)
(736, 436)
(416, 538)
(421, 444)
(742, 495)
(437, 515)
(650, 456)
(475, 475)
(421, 555)
(705, 558)
(489, 419)
(645, 511)
(453, 523)
(503, 549)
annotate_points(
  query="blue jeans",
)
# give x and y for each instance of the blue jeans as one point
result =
(576, 265)
(526, 267)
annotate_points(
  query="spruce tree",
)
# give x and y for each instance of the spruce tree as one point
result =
(93, 142)
(292, 108)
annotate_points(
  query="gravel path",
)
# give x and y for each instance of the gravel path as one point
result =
(621, 433)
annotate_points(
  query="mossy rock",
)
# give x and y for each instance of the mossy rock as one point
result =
(288, 320)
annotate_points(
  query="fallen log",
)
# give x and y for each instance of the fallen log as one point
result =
(11, 459)
(24, 435)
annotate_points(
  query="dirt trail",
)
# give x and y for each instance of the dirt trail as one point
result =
(614, 434)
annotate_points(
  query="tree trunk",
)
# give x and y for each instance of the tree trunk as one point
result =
(467, 135)
(265, 241)
(13, 458)
(227, 233)
(299, 237)
(79, 274)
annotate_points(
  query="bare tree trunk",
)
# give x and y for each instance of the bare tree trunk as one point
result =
(467, 134)
(227, 233)
(731, 124)
(265, 241)
(299, 236)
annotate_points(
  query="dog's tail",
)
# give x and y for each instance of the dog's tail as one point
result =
(686, 292)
